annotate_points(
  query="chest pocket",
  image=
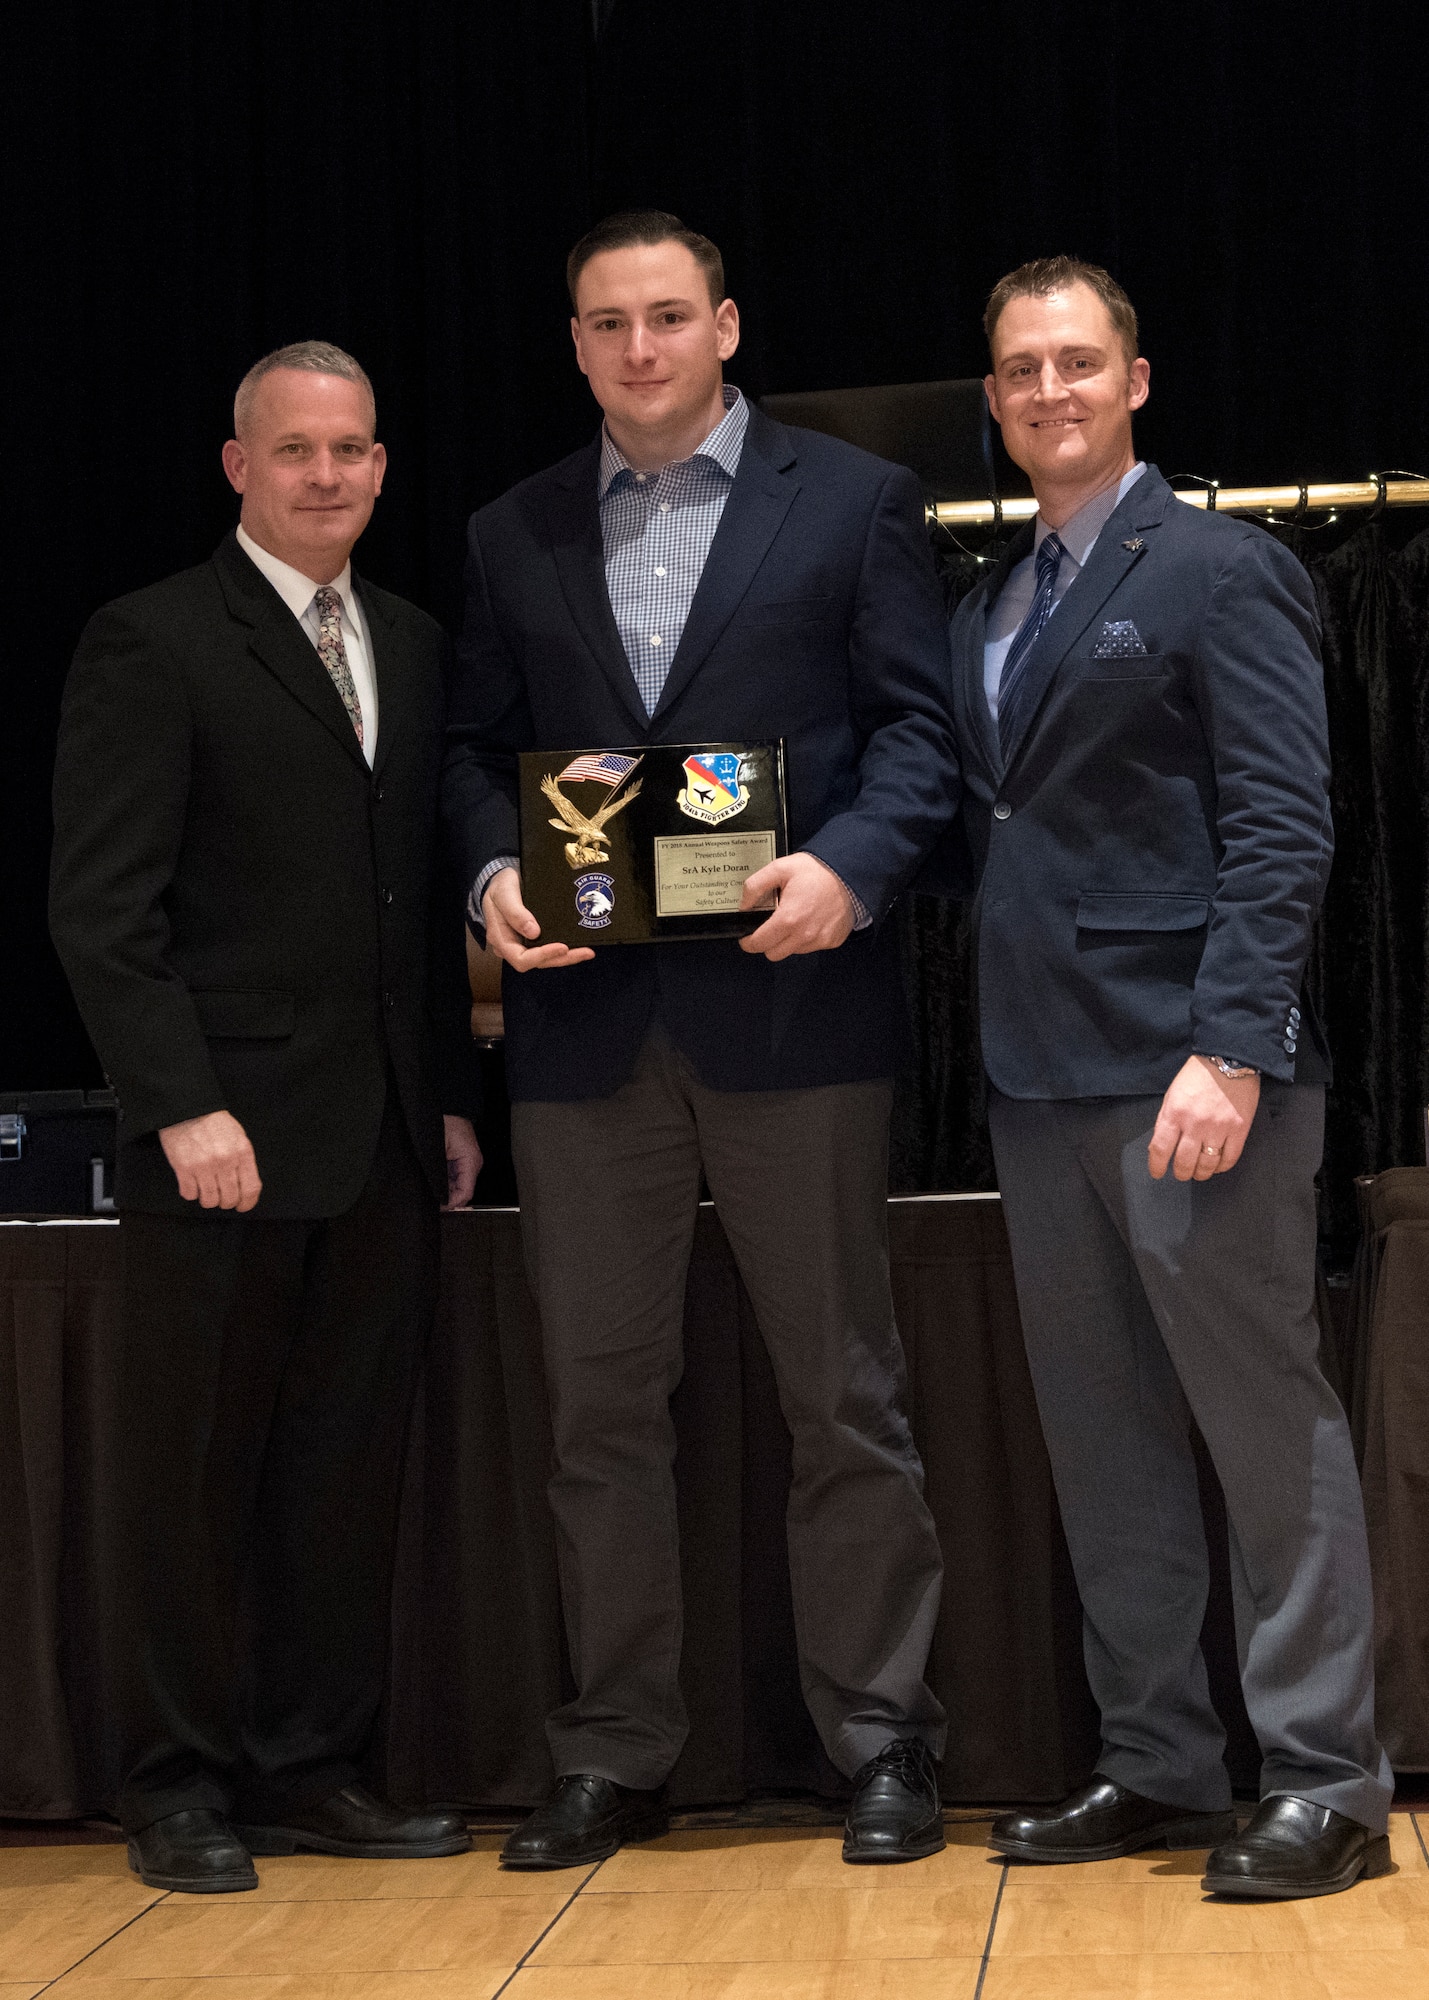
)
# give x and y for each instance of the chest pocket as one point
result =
(1119, 667)
(820, 610)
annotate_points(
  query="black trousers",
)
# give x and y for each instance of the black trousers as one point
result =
(264, 1385)
(609, 1200)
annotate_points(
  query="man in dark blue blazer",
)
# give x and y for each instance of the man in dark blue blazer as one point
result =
(1142, 726)
(699, 573)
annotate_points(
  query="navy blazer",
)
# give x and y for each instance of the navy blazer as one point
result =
(1151, 854)
(817, 618)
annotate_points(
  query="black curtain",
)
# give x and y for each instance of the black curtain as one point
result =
(185, 187)
(1371, 957)
(1255, 175)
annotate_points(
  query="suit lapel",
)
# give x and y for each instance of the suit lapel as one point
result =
(279, 642)
(388, 678)
(579, 551)
(1115, 553)
(971, 665)
(758, 501)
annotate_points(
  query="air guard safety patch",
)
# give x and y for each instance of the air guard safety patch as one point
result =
(595, 901)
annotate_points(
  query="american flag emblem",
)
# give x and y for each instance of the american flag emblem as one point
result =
(600, 767)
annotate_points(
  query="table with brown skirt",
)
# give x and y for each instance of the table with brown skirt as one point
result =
(477, 1648)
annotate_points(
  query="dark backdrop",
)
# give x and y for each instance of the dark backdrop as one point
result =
(186, 186)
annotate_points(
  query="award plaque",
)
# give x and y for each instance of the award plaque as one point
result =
(640, 846)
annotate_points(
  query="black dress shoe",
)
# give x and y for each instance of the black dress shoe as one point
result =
(1294, 1848)
(896, 1814)
(1102, 1822)
(352, 1822)
(584, 1820)
(195, 1852)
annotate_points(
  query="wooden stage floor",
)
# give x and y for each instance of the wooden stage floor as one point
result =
(711, 1913)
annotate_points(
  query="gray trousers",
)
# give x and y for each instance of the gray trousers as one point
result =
(609, 1197)
(1144, 1304)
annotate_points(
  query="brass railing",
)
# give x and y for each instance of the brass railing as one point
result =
(1281, 504)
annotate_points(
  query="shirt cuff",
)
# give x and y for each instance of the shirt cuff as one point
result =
(861, 918)
(480, 886)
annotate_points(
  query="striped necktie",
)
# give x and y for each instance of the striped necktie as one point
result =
(1011, 686)
(333, 653)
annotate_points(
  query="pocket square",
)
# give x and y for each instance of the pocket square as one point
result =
(1119, 640)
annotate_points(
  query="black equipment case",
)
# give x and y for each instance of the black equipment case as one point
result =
(57, 1152)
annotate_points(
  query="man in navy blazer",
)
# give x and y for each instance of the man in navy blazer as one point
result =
(696, 574)
(1142, 726)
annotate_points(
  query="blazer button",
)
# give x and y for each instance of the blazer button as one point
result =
(1002, 810)
(1290, 1045)
(1295, 1017)
(377, 794)
(386, 895)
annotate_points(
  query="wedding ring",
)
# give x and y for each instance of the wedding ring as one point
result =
(1213, 1150)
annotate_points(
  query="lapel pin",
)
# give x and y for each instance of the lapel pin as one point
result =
(1134, 546)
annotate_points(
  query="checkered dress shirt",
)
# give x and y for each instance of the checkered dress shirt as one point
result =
(657, 528)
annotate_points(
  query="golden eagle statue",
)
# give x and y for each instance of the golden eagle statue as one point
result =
(589, 847)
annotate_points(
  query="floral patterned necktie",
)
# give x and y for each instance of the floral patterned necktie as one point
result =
(333, 653)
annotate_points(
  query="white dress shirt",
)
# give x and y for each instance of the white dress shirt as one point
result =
(1078, 538)
(297, 592)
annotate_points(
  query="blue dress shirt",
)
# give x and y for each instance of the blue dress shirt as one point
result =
(1078, 537)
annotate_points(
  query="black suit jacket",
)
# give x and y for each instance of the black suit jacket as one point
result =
(818, 619)
(240, 904)
(1152, 851)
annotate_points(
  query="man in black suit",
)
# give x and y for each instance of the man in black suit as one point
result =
(245, 809)
(701, 574)
(1142, 725)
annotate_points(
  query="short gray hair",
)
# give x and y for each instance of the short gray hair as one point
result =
(319, 357)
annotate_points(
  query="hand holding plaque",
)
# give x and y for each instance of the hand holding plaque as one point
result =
(658, 842)
(814, 910)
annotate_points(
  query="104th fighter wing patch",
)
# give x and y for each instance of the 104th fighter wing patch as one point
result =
(713, 789)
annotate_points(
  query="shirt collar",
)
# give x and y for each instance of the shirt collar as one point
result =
(723, 446)
(295, 589)
(1079, 534)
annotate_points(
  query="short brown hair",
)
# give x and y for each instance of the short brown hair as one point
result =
(1045, 275)
(318, 357)
(645, 225)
